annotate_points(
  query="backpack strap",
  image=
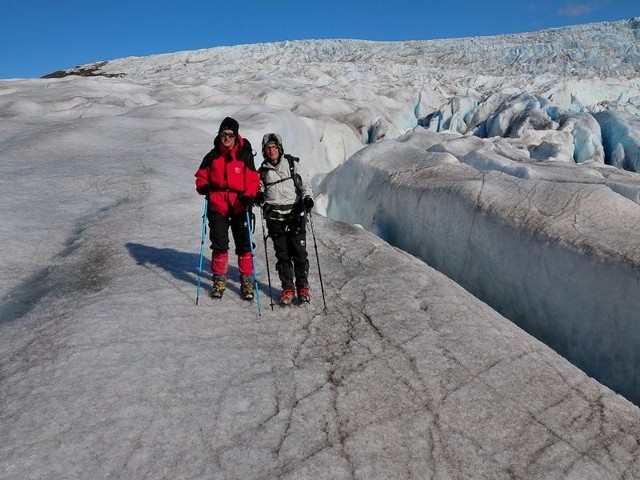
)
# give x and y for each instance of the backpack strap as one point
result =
(297, 180)
(208, 158)
(246, 154)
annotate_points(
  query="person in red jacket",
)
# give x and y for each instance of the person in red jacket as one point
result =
(228, 177)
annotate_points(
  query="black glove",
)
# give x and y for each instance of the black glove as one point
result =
(308, 203)
(260, 198)
(205, 190)
(246, 200)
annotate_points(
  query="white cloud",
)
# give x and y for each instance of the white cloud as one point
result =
(577, 9)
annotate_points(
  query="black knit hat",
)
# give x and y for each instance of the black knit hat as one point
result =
(229, 124)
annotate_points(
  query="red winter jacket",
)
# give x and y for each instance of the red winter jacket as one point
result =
(230, 174)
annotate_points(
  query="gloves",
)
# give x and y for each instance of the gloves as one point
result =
(246, 200)
(260, 198)
(205, 190)
(308, 203)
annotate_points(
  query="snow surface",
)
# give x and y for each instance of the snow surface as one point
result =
(507, 163)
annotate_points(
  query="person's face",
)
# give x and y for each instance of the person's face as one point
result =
(272, 152)
(227, 138)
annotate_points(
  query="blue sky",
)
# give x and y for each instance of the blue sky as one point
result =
(41, 36)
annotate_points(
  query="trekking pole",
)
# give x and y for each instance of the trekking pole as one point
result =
(315, 245)
(204, 233)
(265, 235)
(253, 260)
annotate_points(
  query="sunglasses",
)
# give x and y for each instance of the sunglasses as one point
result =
(228, 135)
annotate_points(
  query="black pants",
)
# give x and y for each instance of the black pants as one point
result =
(290, 243)
(219, 232)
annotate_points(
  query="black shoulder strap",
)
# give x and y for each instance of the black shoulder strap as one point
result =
(208, 158)
(263, 175)
(297, 180)
(246, 155)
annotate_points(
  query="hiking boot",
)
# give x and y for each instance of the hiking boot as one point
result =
(219, 286)
(304, 294)
(246, 289)
(287, 296)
